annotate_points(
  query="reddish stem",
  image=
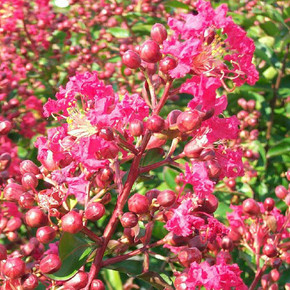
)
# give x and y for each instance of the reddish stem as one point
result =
(92, 236)
(163, 98)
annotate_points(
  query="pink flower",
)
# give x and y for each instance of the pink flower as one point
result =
(216, 277)
(197, 176)
(203, 42)
(183, 222)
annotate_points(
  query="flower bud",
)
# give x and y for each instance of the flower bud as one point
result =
(3, 223)
(188, 121)
(188, 256)
(29, 282)
(269, 203)
(138, 204)
(281, 191)
(155, 123)
(46, 234)
(158, 33)
(251, 207)
(97, 285)
(150, 51)
(5, 127)
(3, 252)
(13, 191)
(26, 200)
(193, 149)
(180, 282)
(50, 264)
(129, 220)
(287, 199)
(213, 169)
(131, 59)
(136, 128)
(13, 224)
(72, 222)
(14, 268)
(79, 281)
(166, 198)
(210, 204)
(207, 154)
(270, 250)
(167, 64)
(153, 193)
(36, 218)
(227, 243)
(94, 211)
(275, 275)
(28, 166)
(5, 161)
(107, 134)
(29, 181)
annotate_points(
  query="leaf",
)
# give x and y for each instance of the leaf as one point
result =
(152, 156)
(74, 250)
(71, 201)
(279, 148)
(169, 177)
(270, 28)
(176, 4)
(113, 278)
(154, 279)
(119, 32)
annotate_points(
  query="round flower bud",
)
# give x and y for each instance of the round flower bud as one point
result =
(3, 252)
(251, 207)
(13, 191)
(270, 250)
(13, 224)
(166, 198)
(28, 166)
(287, 199)
(29, 181)
(269, 203)
(97, 285)
(281, 191)
(213, 169)
(14, 268)
(210, 204)
(5, 127)
(207, 154)
(188, 121)
(138, 204)
(136, 128)
(172, 117)
(5, 161)
(45, 234)
(107, 134)
(153, 193)
(158, 33)
(188, 256)
(129, 220)
(79, 281)
(150, 51)
(29, 282)
(94, 211)
(155, 123)
(227, 243)
(26, 200)
(72, 222)
(167, 64)
(36, 218)
(288, 175)
(50, 264)
(131, 59)
(192, 149)
(275, 275)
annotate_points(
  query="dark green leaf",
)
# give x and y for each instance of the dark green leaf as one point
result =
(176, 4)
(74, 249)
(169, 177)
(152, 156)
(155, 280)
(119, 32)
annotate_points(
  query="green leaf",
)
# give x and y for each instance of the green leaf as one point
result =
(279, 148)
(113, 278)
(270, 28)
(155, 280)
(152, 156)
(74, 250)
(176, 4)
(169, 177)
(119, 32)
(71, 201)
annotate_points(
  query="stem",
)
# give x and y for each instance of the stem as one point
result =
(163, 98)
(258, 276)
(132, 254)
(92, 236)
(114, 220)
(151, 89)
